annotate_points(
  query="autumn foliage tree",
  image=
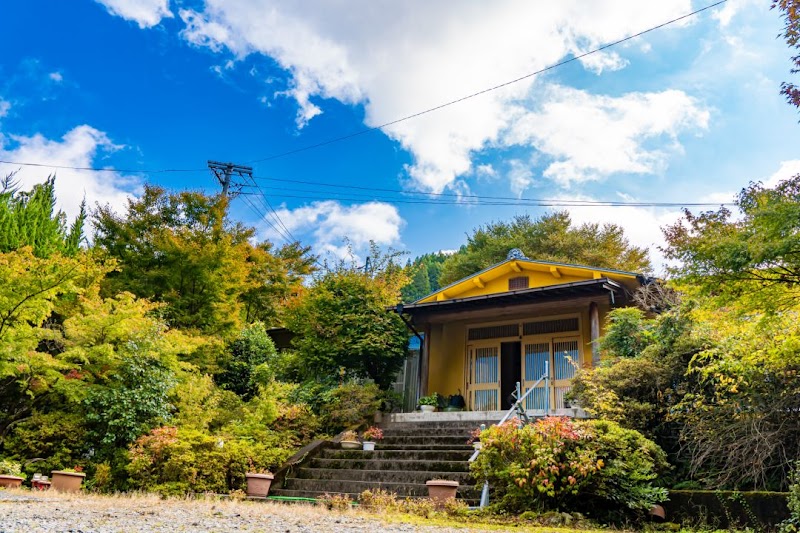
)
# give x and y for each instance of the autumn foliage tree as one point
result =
(752, 258)
(182, 249)
(790, 12)
(342, 322)
(552, 237)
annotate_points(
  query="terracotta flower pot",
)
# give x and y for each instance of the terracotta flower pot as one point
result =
(657, 513)
(11, 482)
(258, 484)
(350, 445)
(66, 481)
(442, 489)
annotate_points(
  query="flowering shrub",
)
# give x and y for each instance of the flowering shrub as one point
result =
(350, 436)
(372, 433)
(10, 468)
(557, 463)
(174, 461)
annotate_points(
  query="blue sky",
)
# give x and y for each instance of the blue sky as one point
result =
(688, 113)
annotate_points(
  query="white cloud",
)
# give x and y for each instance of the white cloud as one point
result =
(330, 223)
(600, 61)
(520, 177)
(56, 77)
(486, 171)
(788, 169)
(591, 136)
(146, 13)
(397, 58)
(77, 148)
(5, 106)
(730, 9)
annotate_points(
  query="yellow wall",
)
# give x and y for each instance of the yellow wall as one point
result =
(446, 364)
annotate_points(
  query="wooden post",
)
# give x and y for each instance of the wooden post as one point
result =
(594, 319)
(424, 359)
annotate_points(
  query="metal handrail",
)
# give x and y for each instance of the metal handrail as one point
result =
(519, 409)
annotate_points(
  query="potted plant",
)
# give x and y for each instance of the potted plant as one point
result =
(67, 480)
(350, 441)
(475, 439)
(369, 437)
(441, 489)
(10, 474)
(258, 483)
(427, 404)
(455, 402)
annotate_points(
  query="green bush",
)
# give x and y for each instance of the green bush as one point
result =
(558, 464)
(250, 363)
(58, 438)
(10, 468)
(173, 461)
(792, 524)
(352, 404)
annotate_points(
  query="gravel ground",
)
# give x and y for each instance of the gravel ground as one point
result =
(47, 512)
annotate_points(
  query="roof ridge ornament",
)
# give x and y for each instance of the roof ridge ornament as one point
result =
(515, 253)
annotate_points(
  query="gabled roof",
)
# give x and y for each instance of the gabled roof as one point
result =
(518, 263)
(523, 296)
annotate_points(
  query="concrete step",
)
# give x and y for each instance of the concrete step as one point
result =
(429, 432)
(357, 487)
(417, 440)
(406, 455)
(377, 464)
(393, 476)
(443, 447)
(446, 426)
(351, 495)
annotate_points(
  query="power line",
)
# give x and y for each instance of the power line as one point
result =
(261, 215)
(460, 197)
(387, 124)
(480, 202)
(484, 91)
(103, 169)
(265, 200)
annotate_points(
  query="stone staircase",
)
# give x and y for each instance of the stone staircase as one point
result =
(410, 454)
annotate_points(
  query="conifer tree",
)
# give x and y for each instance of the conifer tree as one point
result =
(30, 218)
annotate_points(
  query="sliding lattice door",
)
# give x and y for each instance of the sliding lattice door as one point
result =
(484, 385)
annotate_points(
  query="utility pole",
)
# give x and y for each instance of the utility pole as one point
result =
(223, 172)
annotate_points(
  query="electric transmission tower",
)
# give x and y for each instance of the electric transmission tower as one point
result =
(224, 171)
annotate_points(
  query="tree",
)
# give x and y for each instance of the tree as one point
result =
(740, 424)
(251, 362)
(424, 273)
(790, 12)
(342, 321)
(274, 278)
(420, 285)
(643, 375)
(30, 219)
(181, 249)
(752, 259)
(32, 289)
(551, 237)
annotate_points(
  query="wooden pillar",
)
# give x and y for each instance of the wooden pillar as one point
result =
(424, 361)
(594, 320)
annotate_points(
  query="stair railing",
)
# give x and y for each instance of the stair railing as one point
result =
(519, 409)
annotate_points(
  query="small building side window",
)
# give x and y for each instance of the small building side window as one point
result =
(520, 282)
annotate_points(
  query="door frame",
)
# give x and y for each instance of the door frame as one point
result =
(550, 338)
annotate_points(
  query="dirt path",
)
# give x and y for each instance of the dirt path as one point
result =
(22, 511)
